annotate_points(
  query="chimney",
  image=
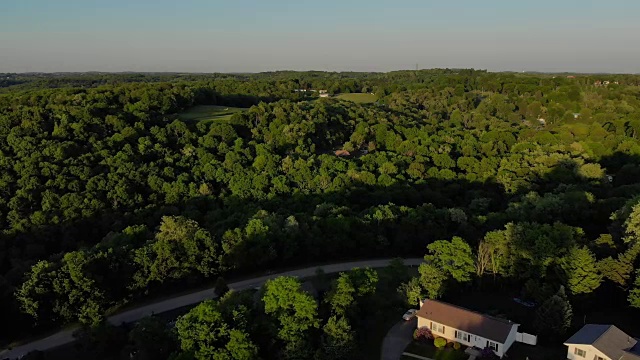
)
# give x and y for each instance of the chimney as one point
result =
(421, 303)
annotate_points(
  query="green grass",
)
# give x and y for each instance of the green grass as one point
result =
(431, 352)
(361, 98)
(209, 113)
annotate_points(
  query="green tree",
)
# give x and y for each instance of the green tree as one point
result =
(151, 339)
(338, 340)
(204, 333)
(580, 271)
(411, 292)
(454, 258)
(634, 293)
(554, 316)
(619, 270)
(341, 296)
(295, 310)
(432, 280)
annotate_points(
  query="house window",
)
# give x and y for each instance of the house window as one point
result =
(493, 346)
(580, 352)
(463, 336)
(598, 358)
(437, 327)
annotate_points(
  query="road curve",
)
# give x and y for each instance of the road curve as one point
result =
(66, 336)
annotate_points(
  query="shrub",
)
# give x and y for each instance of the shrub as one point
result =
(422, 334)
(440, 343)
(456, 345)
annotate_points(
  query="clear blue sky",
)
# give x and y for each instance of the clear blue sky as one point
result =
(366, 35)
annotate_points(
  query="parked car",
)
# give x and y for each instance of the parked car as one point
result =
(409, 314)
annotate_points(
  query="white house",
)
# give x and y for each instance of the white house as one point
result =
(602, 342)
(467, 327)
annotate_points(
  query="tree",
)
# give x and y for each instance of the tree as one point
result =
(364, 281)
(295, 310)
(338, 340)
(554, 316)
(204, 333)
(580, 271)
(492, 254)
(152, 339)
(431, 280)
(342, 295)
(619, 270)
(632, 224)
(411, 291)
(634, 294)
(104, 339)
(452, 257)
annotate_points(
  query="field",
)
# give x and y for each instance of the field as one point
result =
(209, 113)
(360, 98)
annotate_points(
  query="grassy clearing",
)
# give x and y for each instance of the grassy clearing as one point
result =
(209, 113)
(360, 98)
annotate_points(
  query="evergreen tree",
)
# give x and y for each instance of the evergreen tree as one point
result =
(554, 316)
(634, 294)
(580, 269)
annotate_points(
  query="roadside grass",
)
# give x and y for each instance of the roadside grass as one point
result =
(360, 98)
(209, 113)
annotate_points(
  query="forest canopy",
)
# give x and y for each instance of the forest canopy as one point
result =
(108, 197)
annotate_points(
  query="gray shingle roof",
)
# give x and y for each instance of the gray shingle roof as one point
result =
(608, 339)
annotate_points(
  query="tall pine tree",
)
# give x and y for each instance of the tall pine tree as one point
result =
(580, 270)
(554, 315)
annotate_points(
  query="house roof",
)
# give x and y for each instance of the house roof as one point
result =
(465, 320)
(608, 339)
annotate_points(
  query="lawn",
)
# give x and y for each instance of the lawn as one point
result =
(209, 113)
(360, 98)
(431, 352)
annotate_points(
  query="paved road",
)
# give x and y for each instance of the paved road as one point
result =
(397, 339)
(66, 336)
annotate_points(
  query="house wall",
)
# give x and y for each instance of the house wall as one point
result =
(478, 341)
(590, 355)
(511, 338)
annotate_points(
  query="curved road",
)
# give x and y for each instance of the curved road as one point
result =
(66, 336)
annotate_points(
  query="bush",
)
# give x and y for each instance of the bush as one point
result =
(440, 343)
(456, 345)
(422, 334)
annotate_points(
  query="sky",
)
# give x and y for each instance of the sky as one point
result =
(331, 35)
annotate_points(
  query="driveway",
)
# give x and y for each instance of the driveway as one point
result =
(66, 336)
(397, 339)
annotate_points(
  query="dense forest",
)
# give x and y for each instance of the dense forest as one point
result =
(530, 181)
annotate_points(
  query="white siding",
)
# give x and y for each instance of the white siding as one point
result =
(591, 352)
(511, 338)
(450, 334)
